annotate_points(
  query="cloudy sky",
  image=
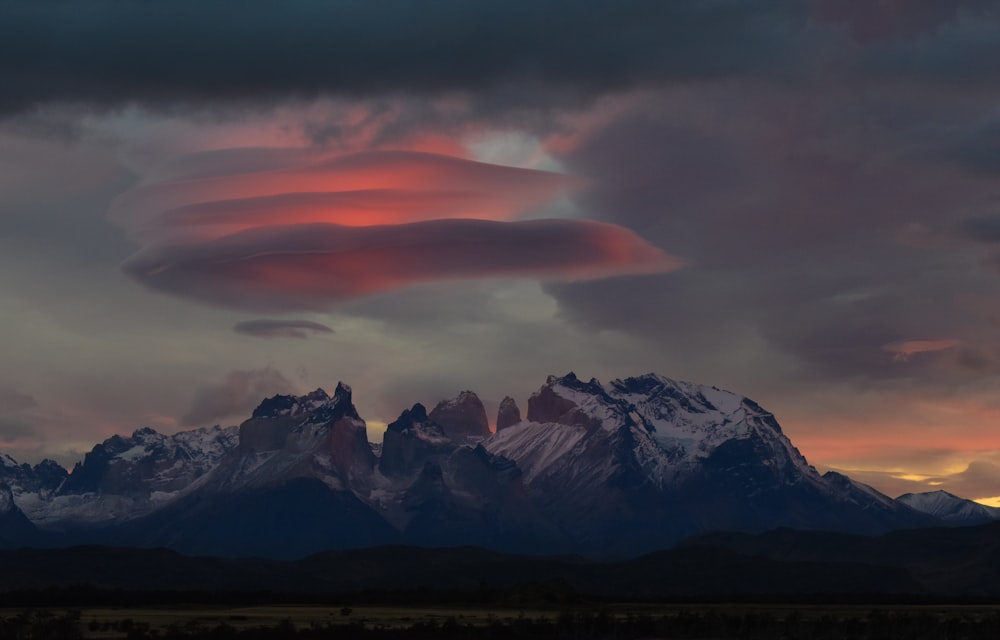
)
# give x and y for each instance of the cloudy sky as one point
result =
(798, 200)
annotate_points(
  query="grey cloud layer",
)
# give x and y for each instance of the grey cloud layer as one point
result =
(186, 51)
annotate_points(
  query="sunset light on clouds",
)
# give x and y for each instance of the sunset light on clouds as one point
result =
(796, 200)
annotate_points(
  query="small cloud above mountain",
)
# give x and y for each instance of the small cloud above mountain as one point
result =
(280, 328)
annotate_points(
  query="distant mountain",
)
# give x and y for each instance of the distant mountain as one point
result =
(623, 468)
(949, 508)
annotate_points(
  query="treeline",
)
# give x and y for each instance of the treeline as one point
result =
(555, 593)
(600, 625)
(546, 593)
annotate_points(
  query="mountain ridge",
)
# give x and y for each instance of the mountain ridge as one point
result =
(622, 468)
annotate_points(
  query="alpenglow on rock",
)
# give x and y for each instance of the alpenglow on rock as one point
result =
(625, 467)
(508, 414)
(462, 417)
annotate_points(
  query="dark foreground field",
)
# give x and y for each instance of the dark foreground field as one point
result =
(619, 621)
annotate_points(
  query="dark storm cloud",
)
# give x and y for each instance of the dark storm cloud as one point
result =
(280, 328)
(110, 53)
(235, 396)
(871, 20)
(957, 52)
(982, 228)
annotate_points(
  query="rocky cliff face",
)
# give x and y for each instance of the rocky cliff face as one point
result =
(462, 418)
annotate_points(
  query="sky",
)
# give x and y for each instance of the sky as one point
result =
(202, 204)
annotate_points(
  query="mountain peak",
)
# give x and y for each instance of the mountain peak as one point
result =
(508, 413)
(462, 417)
(342, 391)
(278, 406)
(417, 413)
(950, 508)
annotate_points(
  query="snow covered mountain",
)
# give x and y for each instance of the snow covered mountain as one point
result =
(630, 466)
(120, 479)
(950, 508)
(645, 459)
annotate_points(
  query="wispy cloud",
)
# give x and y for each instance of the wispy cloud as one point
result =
(280, 328)
(903, 350)
(235, 396)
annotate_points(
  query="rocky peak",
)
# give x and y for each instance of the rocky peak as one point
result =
(409, 417)
(462, 417)
(44, 477)
(410, 440)
(280, 406)
(332, 409)
(557, 402)
(571, 381)
(508, 414)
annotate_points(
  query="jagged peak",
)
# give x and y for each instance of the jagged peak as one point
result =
(417, 413)
(508, 413)
(343, 390)
(281, 405)
(331, 409)
(645, 383)
(48, 463)
(144, 432)
(572, 381)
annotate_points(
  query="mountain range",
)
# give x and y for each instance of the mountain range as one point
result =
(615, 469)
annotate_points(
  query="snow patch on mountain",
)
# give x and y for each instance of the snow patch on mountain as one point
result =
(536, 447)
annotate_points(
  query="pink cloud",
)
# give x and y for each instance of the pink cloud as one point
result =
(291, 229)
(371, 187)
(902, 350)
(317, 266)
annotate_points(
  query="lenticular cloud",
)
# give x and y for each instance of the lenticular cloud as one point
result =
(287, 230)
